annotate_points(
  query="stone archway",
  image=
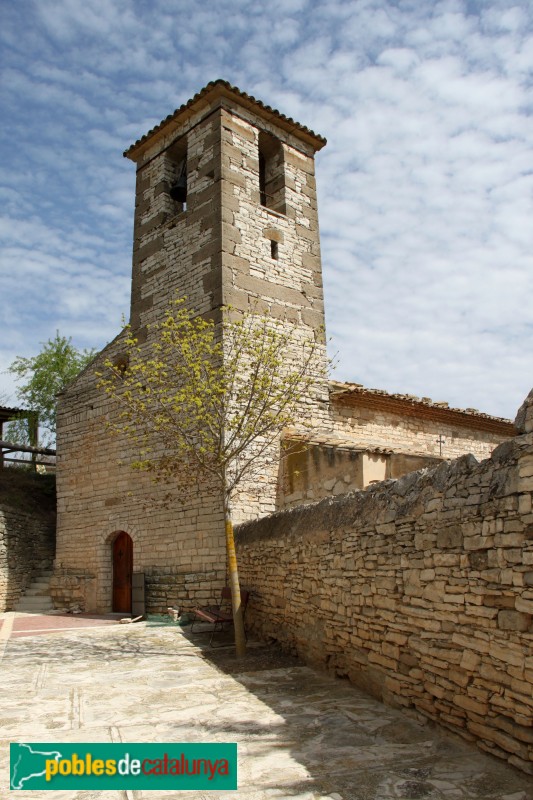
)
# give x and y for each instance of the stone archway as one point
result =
(104, 546)
(122, 555)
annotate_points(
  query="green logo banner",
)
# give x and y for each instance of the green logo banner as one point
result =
(123, 766)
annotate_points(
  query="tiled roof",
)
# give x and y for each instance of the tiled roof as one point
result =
(324, 439)
(348, 393)
(223, 87)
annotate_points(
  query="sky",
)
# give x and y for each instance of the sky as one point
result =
(425, 186)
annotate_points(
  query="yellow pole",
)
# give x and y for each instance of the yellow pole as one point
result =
(238, 622)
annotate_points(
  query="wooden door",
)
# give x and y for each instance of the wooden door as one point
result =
(122, 572)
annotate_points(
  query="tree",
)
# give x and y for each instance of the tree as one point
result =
(206, 404)
(45, 375)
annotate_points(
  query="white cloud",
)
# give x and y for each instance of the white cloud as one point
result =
(425, 187)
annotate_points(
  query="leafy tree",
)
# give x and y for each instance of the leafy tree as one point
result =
(206, 404)
(44, 376)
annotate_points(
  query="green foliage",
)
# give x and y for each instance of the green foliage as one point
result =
(206, 401)
(44, 376)
(17, 430)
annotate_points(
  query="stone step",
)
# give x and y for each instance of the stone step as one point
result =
(36, 598)
(30, 595)
(25, 606)
(40, 583)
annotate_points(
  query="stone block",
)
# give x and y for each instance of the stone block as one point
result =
(500, 600)
(506, 653)
(150, 248)
(522, 764)
(524, 605)
(450, 537)
(471, 705)
(523, 733)
(513, 620)
(524, 417)
(458, 677)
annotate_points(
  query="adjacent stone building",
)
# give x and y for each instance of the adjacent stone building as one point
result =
(375, 436)
(225, 214)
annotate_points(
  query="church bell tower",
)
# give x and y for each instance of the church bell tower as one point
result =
(226, 215)
(226, 211)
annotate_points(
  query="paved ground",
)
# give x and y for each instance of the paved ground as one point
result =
(34, 624)
(299, 733)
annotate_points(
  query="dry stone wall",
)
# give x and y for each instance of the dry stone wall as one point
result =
(419, 590)
(27, 540)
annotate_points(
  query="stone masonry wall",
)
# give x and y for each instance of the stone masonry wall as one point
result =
(370, 427)
(99, 495)
(27, 541)
(419, 590)
(286, 286)
(179, 546)
(219, 250)
(177, 252)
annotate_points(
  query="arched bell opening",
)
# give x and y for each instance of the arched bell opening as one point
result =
(271, 172)
(176, 165)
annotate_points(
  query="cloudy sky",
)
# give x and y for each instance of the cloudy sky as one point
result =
(425, 186)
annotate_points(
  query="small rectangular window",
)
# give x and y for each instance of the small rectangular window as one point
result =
(273, 249)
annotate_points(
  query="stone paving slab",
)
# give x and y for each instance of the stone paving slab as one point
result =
(300, 734)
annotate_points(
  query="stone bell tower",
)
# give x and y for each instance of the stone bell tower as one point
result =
(226, 211)
(226, 214)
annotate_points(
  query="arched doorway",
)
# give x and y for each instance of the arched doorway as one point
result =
(122, 572)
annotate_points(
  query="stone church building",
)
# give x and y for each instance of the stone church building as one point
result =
(226, 214)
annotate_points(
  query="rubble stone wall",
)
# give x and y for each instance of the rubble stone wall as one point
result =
(418, 590)
(27, 541)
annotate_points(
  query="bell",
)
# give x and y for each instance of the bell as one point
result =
(179, 190)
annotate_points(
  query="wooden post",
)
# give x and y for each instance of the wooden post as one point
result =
(33, 428)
